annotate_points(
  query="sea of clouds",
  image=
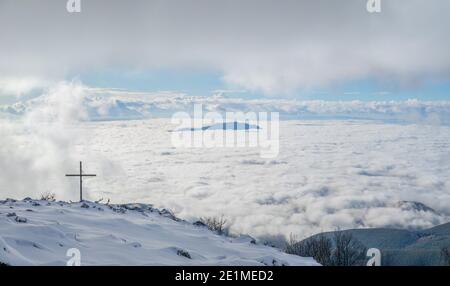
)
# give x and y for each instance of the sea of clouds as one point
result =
(373, 167)
(115, 104)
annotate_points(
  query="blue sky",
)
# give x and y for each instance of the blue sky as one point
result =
(197, 47)
(204, 83)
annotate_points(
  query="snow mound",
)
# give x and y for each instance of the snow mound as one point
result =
(35, 232)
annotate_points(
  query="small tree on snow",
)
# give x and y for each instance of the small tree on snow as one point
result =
(215, 224)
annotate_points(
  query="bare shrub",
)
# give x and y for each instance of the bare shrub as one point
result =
(215, 224)
(342, 250)
(445, 255)
(348, 250)
(48, 197)
(184, 253)
(319, 247)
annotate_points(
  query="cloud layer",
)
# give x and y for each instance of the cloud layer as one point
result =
(328, 174)
(113, 104)
(271, 46)
(43, 143)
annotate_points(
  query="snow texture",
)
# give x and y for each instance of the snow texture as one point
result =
(41, 232)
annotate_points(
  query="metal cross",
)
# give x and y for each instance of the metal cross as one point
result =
(81, 175)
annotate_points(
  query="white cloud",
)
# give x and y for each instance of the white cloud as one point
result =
(113, 104)
(20, 86)
(263, 45)
(38, 147)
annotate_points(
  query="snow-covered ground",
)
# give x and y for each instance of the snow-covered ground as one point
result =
(41, 232)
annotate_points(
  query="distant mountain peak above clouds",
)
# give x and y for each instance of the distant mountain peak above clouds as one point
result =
(227, 126)
(414, 206)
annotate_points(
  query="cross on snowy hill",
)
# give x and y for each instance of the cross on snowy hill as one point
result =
(81, 175)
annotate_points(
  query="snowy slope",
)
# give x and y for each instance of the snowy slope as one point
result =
(40, 233)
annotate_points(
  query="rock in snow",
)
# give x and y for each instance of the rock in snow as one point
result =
(134, 234)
